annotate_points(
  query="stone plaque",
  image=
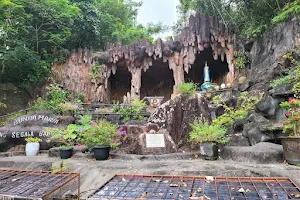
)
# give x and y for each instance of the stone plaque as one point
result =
(155, 140)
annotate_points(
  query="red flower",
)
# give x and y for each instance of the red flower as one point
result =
(296, 118)
(291, 100)
(288, 114)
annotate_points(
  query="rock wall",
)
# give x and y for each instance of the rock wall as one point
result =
(32, 125)
(267, 51)
(202, 33)
(74, 75)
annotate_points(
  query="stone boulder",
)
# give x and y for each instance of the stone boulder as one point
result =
(238, 140)
(267, 50)
(135, 140)
(268, 106)
(259, 129)
(32, 125)
(170, 146)
(176, 115)
(282, 91)
(263, 152)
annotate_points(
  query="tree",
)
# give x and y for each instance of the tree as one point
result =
(36, 33)
(248, 18)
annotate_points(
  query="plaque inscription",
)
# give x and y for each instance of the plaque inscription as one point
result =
(155, 140)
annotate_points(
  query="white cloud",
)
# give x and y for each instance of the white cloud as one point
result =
(158, 11)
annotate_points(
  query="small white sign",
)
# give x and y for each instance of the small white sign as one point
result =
(155, 140)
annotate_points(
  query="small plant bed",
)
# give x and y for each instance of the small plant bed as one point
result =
(181, 187)
(35, 185)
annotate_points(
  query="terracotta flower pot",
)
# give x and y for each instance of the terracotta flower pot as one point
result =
(291, 149)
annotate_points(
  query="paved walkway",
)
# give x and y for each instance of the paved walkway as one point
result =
(96, 173)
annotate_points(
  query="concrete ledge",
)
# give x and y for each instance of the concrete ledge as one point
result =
(171, 156)
(262, 152)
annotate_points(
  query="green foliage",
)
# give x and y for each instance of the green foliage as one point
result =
(188, 88)
(34, 34)
(247, 18)
(288, 10)
(292, 124)
(241, 59)
(130, 112)
(285, 80)
(3, 105)
(101, 133)
(135, 33)
(5, 120)
(32, 139)
(66, 137)
(245, 103)
(203, 132)
(55, 96)
(96, 72)
(23, 67)
(293, 77)
(85, 120)
(56, 100)
(79, 98)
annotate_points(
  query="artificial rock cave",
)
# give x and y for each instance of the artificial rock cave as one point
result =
(145, 69)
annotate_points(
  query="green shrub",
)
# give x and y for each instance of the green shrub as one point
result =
(245, 103)
(3, 105)
(285, 80)
(79, 97)
(102, 133)
(289, 8)
(188, 88)
(241, 59)
(96, 72)
(66, 137)
(207, 133)
(56, 100)
(133, 111)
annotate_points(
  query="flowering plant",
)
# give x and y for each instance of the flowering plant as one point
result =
(292, 124)
(102, 133)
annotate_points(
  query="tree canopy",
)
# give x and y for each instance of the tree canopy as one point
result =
(247, 18)
(36, 33)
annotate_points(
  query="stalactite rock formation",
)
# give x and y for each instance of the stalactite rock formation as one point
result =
(203, 32)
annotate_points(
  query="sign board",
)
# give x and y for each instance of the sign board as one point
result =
(155, 140)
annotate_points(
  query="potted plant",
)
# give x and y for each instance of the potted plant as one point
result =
(32, 146)
(101, 136)
(291, 143)
(208, 136)
(67, 138)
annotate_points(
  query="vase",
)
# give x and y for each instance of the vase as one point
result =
(32, 148)
(101, 152)
(291, 149)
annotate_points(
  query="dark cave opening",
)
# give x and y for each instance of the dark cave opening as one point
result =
(218, 68)
(157, 81)
(119, 84)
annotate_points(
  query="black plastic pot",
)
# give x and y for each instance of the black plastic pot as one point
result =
(65, 153)
(209, 150)
(291, 149)
(101, 152)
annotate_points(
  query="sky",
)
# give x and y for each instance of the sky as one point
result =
(158, 11)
